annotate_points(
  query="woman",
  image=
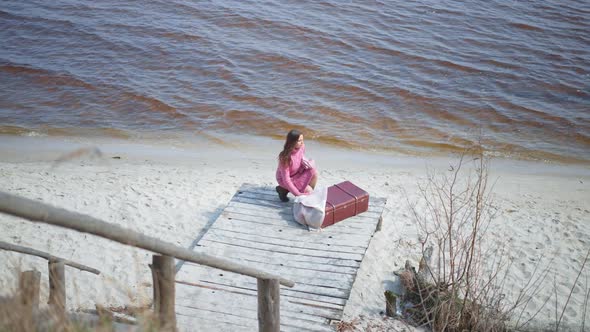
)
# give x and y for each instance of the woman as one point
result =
(295, 174)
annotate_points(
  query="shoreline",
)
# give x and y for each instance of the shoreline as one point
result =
(17, 149)
(175, 193)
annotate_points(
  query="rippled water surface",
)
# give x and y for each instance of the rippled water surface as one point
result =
(410, 76)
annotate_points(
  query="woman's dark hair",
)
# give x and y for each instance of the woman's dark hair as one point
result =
(290, 142)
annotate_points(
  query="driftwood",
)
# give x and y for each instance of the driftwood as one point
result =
(40, 212)
(34, 252)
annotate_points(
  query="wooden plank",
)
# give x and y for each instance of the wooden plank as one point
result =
(207, 293)
(263, 198)
(249, 323)
(354, 225)
(198, 319)
(276, 233)
(292, 226)
(223, 295)
(332, 283)
(208, 238)
(274, 263)
(301, 295)
(327, 279)
(303, 291)
(285, 211)
(281, 255)
(271, 193)
(217, 232)
(243, 303)
(193, 320)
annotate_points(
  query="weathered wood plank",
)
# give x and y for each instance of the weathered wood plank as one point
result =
(342, 285)
(261, 200)
(321, 296)
(327, 279)
(218, 232)
(281, 255)
(271, 193)
(354, 225)
(292, 226)
(194, 320)
(301, 295)
(276, 233)
(278, 248)
(267, 193)
(242, 314)
(224, 295)
(287, 211)
(273, 263)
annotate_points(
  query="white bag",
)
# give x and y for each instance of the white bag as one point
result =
(309, 210)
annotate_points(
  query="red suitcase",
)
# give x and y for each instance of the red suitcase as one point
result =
(344, 200)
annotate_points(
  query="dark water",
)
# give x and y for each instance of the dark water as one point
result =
(410, 76)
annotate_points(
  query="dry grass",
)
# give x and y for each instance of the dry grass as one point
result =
(459, 284)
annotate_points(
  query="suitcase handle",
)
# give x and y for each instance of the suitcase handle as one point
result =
(355, 198)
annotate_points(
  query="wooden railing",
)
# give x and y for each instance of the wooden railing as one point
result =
(163, 266)
(29, 280)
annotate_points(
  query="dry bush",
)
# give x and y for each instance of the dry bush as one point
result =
(451, 290)
(459, 285)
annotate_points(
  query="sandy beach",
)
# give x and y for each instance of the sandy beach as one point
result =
(175, 192)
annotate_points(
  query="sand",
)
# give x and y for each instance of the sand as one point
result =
(175, 191)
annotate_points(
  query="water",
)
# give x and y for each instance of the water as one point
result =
(414, 77)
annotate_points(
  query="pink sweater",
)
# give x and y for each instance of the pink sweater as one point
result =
(288, 175)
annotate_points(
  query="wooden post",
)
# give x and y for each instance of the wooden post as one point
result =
(57, 288)
(269, 305)
(163, 273)
(29, 283)
(390, 303)
(156, 288)
(379, 224)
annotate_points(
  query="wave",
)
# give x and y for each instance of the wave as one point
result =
(44, 76)
(527, 27)
(153, 104)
